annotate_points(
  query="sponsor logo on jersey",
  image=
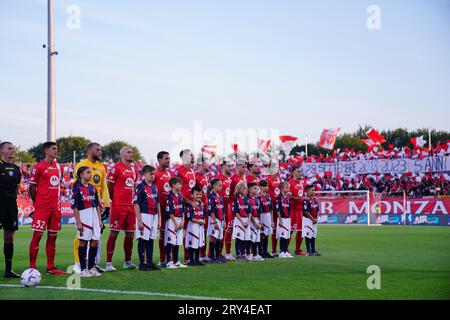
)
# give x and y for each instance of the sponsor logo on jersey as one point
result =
(96, 179)
(191, 183)
(129, 182)
(54, 181)
(166, 187)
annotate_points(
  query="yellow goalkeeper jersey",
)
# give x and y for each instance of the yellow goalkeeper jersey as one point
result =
(98, 179)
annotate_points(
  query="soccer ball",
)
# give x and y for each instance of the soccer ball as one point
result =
(30, 278)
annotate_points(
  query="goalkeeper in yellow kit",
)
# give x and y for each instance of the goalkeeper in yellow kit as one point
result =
(93, 161)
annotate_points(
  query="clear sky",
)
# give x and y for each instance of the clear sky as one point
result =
(146, 71)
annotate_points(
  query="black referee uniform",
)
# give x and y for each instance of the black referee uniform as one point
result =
(10, 177)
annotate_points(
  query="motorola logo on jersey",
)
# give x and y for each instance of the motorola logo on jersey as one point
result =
(191, 183)
(54, 180)
(227, 191)
(129, 182)
(166, 187)
(277, 191)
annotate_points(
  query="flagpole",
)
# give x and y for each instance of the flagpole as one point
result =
(306, 146)
(429, 139)
(51, 121)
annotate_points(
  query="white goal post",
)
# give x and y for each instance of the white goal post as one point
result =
(358, 194)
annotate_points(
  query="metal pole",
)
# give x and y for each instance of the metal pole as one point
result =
(51, 125)
(74, 157)
(429, 139)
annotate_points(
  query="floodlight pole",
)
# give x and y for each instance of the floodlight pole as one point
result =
(51, 119)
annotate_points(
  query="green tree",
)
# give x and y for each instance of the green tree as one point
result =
(111, 151)
(22, 156)
(66, 147)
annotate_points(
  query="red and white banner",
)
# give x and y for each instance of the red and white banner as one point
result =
(385, 206)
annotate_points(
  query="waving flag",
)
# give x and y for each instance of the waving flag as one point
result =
(368, 142)
(418, 142)
(263, 145)
(209, 150)
(375, 136)
(235, 148)
(288, 143)
(328, 138)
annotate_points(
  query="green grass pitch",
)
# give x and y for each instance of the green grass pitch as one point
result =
(414, 263)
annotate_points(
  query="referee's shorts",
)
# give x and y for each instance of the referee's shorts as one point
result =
(8, 214)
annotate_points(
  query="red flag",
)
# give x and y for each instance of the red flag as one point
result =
(209, 150)
(235, 148)
(288, 142)
(418, 142)
(375, 136)
(328, 138)
(368, 142)
(263, 145)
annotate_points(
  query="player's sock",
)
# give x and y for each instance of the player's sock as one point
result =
(313, 245)
(187, 254)
(220, 248)
(92, 254)
(228, 241)
(283, 245)
(242, 247)
(203, 251)
(50, 249)
(254, 246)
(34, 248)
(99, 251)
(110, 246)
(212, 245)
(149, 251)
(308, 245)
(175, 250)
(265, 243)
(288, 242)
(128, 247)
(8, 250)
(82, 251)
(76, 243)
(248, 245)
(274, 242)
(260, 248)
(162, 248)
(217, 246)
(197, 255)
(141, 250)
(298, 241)
(237, 244)
(169, 252)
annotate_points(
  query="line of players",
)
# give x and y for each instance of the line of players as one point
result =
(185, 206)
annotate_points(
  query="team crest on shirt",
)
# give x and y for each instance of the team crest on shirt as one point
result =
(129, 182)
(54, 180)
(96, 179)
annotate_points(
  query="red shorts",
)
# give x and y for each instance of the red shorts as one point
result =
(46, 219)
(123, 218)
(296, 218)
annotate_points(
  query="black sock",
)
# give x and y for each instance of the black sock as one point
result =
(149, 251)
(236, 247)
(191, 255)
(175, 253)
(217, 248)
(313, 245)
(308, 245)
(141, 250)
(212, 252)
(8, 250)
(197, 255)
(283, 245)
(254, 244)
(260, 248)
(169, 252)
(92, 256)
(265, 242)
(82, 252)
(247, 247)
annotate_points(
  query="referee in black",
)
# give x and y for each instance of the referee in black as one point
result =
(10, 177)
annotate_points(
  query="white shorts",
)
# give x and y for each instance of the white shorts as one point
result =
(150, 222)
(195, 235)
(285, 230)
(172, 236)
(239, 231)
(218, 234)
(91, 224)
(266, 219)
(255, 233)
(309, 230)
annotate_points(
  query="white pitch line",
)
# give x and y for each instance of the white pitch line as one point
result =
(142, 293)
